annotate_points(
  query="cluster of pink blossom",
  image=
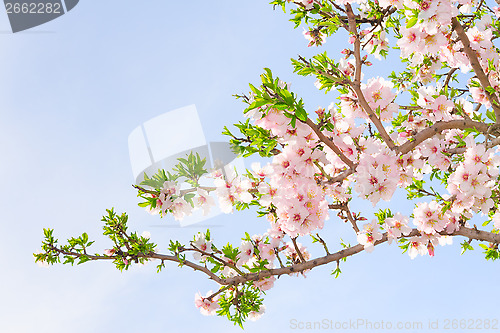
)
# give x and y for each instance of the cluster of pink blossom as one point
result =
(170, 199)
(396, 227)
(377, 92)
(231, 188)
(369, 235)
(375, 42)
(430, 218)
(430, 35)
(426, 243)
(208, 307)
(343, 136)
(315, 37)
(266, 250)
(378, 174)
(480, 38)
(434, 108)
(379, 95)
(300, 202)
(473, 180)
(202, 244)
(434, 150)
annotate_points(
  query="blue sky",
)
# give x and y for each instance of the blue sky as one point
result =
(71, 92)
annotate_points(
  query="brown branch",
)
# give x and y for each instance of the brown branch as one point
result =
(329, 143)
(476, 66)
(224, 263)
(356, 84)
(218, 292)
(323, 243)
(297, 268)
(437, 128)
(336, 206)
(343, 175)
(357, 43)
(351, 218)
(297, 249)
(182, 192)
(448, 76)
(470, 233)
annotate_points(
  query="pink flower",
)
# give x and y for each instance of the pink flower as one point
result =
(416, 246)
(369, 235)
(496, 10)
(378, 93)
(255, 315)
(496, 220)
(266, 252)
(265, 283)
(204, 201)
(308, 4)
(396, 227)
(208, 307)
(180, 208)
(315, 37)
(201, 243)
(246, 252)
(479, 39)
(428, 217)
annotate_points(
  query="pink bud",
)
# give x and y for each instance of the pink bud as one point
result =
(430, 248)
(352, 39)
(345, 51)
(320, 112)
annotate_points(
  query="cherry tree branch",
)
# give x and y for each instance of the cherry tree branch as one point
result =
(329, 143)
(471, 233)
(476, 66)
(297, 268)
(356, 84)
(345, 208)
(437, 128)
(294, 241)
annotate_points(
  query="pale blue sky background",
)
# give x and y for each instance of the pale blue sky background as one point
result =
(73, 89)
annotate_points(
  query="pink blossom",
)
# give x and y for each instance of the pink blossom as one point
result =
(246, 252)
(369, 235)
(201, 243)
(428, 217)
(204, 201)
(208, 307)
(396, 227)
(255, 315)
(265, 283)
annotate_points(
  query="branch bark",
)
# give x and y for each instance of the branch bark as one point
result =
(329, 143)
(476, 66)
(437, 128)
(471, 233)
(356, 84)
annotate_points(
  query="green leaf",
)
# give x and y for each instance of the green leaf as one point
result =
(301, 114)
(411, 22)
